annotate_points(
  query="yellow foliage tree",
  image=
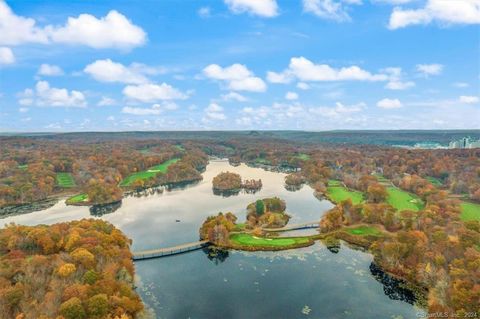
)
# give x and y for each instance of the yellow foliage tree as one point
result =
(66, 270)
(83, 256)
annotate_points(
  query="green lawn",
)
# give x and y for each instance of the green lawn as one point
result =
(149, 173)
(364, 231)
(24, 166)
(333, 182)
(470, 211)
(402, 200)
(250, 240)
(338, 193)
(303, 156)
(434, 181)
(65, 180)
(77, 198)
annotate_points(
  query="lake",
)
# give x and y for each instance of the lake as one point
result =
(310, 282)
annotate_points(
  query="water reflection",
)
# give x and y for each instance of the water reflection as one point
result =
(293, 188)
(394, 288)
(103, 209)
(216, 254)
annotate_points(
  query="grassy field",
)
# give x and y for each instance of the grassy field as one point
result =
(470, 211)
(250, 240)
(333, 182)
(303, 156)
(402, 200)
(338, 193)
(434, 181)
(364, 231)
(151, 172)
(65, 180)
(24, 166)
(77, 199)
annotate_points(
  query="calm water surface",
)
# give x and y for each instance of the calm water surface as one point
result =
(311, 282)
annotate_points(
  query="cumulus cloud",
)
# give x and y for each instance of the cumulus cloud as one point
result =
(111, 31)
(106, 101)
(49, 70)
(338, 110)
(328, 9)
(429, 69)
(109, 71)
(305, 70)
(155, 109)
(395, 81)
(389, 104)
(291, 96)
(44, 95)
(303, 86)
(442, 11)
(237, 76)
(204, 12)
(6, 55)
(150, 92)
(262, 8)
(233, 96)
(214, 112)
(469, 99)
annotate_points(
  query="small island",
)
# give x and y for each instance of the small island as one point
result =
(267, 213)
(263, 215)
(294, 181)
(228, 183)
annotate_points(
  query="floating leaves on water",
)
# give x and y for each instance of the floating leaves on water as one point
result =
(306, 310)
(225, 279)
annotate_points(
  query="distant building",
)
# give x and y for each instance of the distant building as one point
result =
(465, 142)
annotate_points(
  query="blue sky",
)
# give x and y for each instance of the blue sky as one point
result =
(239, 64)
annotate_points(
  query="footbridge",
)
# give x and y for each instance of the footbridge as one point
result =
(307, 225)
(168, 251)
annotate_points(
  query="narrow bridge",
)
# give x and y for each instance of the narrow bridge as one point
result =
(314, 224)
(162, 252)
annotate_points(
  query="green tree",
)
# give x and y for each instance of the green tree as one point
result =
(259, 207)
(97, 306)
(72, 309)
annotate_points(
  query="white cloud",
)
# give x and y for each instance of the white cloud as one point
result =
(339, 110)
(109, 71)
(399, 85)
(49, 70)
(291, 96)
(238, 77)
(153, 92)
(395, 79)
(469, 99)
(106, 101)
(305, 70)
(155, 109)
(112, 31)
(44, 95)
(303, 86)
(6, 55)
(214, 112)
(263, 8)
(429, 69)
(389, 104)
(274, 77)
(461, 84)
(23, 110)
(393, 1)
(204, 12)
(443, 11)
(233, 96)
(328, 9)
